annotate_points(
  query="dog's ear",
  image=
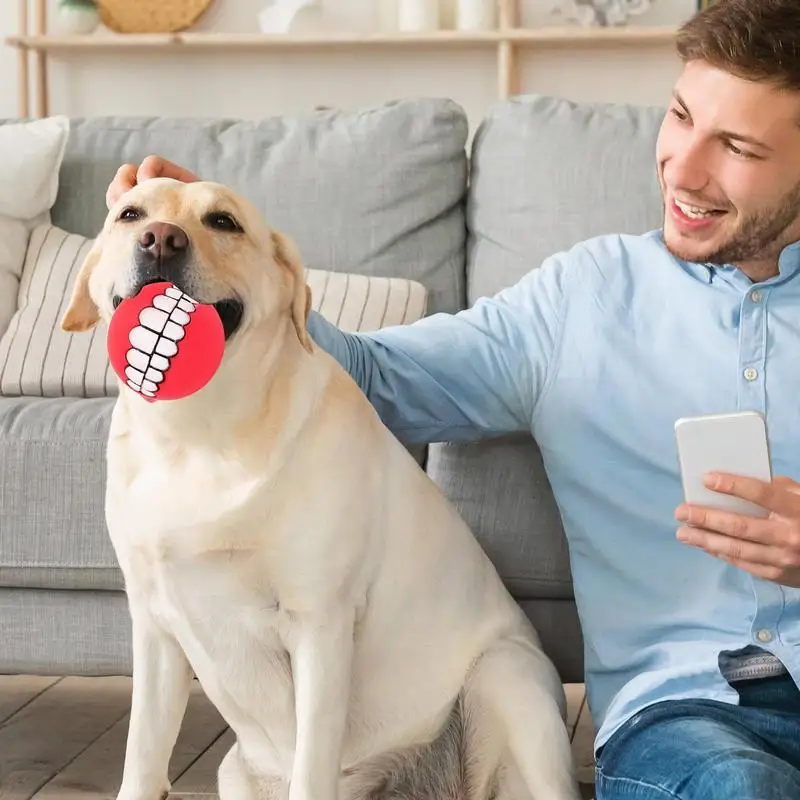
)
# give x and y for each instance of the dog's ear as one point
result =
(82, 313)
(288, 257)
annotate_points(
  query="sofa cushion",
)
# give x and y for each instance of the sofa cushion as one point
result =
(32, 155)
(500, 488)
(548, 173)
(375, 191)
(559, 628)
(39, 359)
(52, 632)
(52, 486)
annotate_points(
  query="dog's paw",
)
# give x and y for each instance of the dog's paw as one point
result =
(159, 794)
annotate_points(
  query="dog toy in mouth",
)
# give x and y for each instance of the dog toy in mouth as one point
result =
(163, 344)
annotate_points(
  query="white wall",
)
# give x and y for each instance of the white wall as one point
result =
(255, 84)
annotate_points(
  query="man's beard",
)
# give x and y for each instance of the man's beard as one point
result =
(761, 236)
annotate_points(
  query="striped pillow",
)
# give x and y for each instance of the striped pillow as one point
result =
(38, 359)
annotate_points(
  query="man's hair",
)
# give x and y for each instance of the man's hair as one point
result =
(757, 40)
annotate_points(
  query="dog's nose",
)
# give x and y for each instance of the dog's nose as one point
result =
(163, 241)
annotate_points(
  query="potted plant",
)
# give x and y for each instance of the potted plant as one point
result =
(77, 16)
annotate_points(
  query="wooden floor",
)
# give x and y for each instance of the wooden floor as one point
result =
(64, 739)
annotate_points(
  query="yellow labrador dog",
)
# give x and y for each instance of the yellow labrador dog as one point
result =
(279, 544)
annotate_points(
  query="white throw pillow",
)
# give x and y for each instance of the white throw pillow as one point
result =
(38, 359)
(31, 154)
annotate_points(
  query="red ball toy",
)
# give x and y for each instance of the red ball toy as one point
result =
(163, 344)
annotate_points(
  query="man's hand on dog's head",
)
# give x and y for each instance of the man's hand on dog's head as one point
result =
(128, 175)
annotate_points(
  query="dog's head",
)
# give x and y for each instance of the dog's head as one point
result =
(207, 240)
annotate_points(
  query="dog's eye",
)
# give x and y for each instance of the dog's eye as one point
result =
(130, 213)
(222, 221)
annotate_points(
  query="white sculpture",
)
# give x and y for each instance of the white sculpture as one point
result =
(603, 13)
(278, 15)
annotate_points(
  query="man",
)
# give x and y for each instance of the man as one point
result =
(692, 639)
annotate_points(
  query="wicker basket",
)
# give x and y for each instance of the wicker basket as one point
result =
(151, 16)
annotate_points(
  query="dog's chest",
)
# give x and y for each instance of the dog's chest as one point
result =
(199, 541)
(219, 600)
(228, 619)
(182, 503)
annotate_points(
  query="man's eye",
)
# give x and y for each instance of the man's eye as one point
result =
(222, 221)
(737, 151)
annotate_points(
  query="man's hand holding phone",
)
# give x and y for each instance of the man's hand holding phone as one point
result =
(733, 507)
(767, 545)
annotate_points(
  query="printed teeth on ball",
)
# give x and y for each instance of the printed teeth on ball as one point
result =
(154, 341)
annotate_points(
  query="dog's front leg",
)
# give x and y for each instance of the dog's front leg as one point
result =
(162, 680)
(321, 667)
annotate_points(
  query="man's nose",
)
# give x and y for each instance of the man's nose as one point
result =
(688, 169)
(163, 241)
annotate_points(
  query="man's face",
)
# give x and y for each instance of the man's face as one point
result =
(729, 165)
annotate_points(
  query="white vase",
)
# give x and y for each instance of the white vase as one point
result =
(77, 20)
(417, 15)
(279, 16)
(475, 15)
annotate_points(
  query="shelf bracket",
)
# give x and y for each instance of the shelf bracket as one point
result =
(23, 64)
(507, 68)
(41, 98)
(42, 94)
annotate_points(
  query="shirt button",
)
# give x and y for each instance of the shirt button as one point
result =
(764, 636)
(755, 296)
(750, 374)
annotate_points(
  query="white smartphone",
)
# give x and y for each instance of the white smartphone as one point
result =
(734, 442)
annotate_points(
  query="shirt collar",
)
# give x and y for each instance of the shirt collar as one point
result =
(789, 261)
(788, 266)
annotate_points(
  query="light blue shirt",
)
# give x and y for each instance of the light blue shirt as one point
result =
(597, 352)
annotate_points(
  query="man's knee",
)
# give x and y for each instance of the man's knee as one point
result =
(746, 775)
(691, 751)
(751, 775)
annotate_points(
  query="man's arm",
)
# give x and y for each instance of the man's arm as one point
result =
(447, 377)
(459, 377)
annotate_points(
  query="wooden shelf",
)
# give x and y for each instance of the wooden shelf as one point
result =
(34, 41)
(444, 38)
(593, 36)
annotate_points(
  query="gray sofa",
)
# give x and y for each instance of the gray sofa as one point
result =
(387, 190)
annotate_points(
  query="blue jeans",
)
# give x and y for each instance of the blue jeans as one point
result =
(706, 750)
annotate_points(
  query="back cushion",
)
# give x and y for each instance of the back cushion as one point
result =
(548, 173)
(32, 152)
(377, 191)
